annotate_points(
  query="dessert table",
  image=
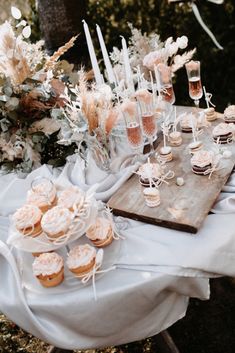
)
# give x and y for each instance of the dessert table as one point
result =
(154, 270)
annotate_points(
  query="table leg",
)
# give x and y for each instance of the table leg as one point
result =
(165, 343)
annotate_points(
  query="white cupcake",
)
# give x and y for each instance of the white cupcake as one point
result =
(27, 220)
(42, 195)
(71, 198)
(56, 221)
(49, 269)
(81, 259)
(101, 232)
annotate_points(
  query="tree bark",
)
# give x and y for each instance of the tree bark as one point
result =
(59, 21)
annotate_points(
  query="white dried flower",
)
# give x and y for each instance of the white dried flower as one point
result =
(182, 42)
(153, 59)
(173, 48)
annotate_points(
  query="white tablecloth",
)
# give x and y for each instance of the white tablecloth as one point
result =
(157, 271)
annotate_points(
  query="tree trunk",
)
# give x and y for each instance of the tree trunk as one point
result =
(59, 21)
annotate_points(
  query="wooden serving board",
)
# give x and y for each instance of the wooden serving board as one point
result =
(182, 207)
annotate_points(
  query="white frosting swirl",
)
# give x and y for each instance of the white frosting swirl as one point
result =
(81, 255)
(230, 111)
(202, 158)
(222, 129)
(42, 194)
(70, 197)
(47, 264)
(27, 216)
(175, 135)
(188, 121)
(150, 170)
(99, 230)
(56, 220)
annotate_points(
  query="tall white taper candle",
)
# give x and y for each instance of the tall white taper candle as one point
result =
(93, 58)
(127, 66)
(110, 73)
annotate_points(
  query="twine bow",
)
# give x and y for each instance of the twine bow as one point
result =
(215, 167)
(108, 213)
(95, 270)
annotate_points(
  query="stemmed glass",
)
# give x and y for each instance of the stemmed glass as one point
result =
(194, 81)
(163, 76)
(133, 128)
(149, 123)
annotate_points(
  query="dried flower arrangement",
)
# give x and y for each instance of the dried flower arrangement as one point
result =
(146, 52)
(30, 87)
(48, 111)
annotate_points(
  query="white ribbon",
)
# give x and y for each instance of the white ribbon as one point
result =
(215, 167)
(202, 23)
(160, 180)
(108, 213)
(208, 97)
(95, 270)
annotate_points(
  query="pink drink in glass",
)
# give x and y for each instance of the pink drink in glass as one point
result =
(195, 87)
(134, 134)
(149, 124)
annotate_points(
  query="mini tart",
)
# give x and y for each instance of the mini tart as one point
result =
(175, 138)
(210, 114)
(195, 146)
(229, 114)
(49, 269)
(149, 170)
(201, 162)
(166, 154)
(56, 222)
(27, 220)
(100, 233)
(152, 197)
(81, 259)
(43, 196)
(222, 133)
(71, 198)
(186, 123)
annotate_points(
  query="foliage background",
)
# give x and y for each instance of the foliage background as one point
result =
(218, 69)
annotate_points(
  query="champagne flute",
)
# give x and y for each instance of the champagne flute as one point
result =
(194, 81)
(132, 120)
(163, 76)
(149, 124)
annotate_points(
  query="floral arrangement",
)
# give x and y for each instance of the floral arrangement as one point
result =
(48, 111)
(31, 84)
(145, 52)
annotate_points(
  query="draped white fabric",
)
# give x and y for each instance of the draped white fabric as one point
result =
(157, 270)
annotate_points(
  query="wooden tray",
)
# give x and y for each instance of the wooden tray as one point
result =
(182, 207)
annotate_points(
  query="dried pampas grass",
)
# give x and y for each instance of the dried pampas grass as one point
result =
(181, 60)
(13, 55)
(111, 120)
(62, 50)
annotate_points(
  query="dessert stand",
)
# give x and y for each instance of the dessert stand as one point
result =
(26, 245)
